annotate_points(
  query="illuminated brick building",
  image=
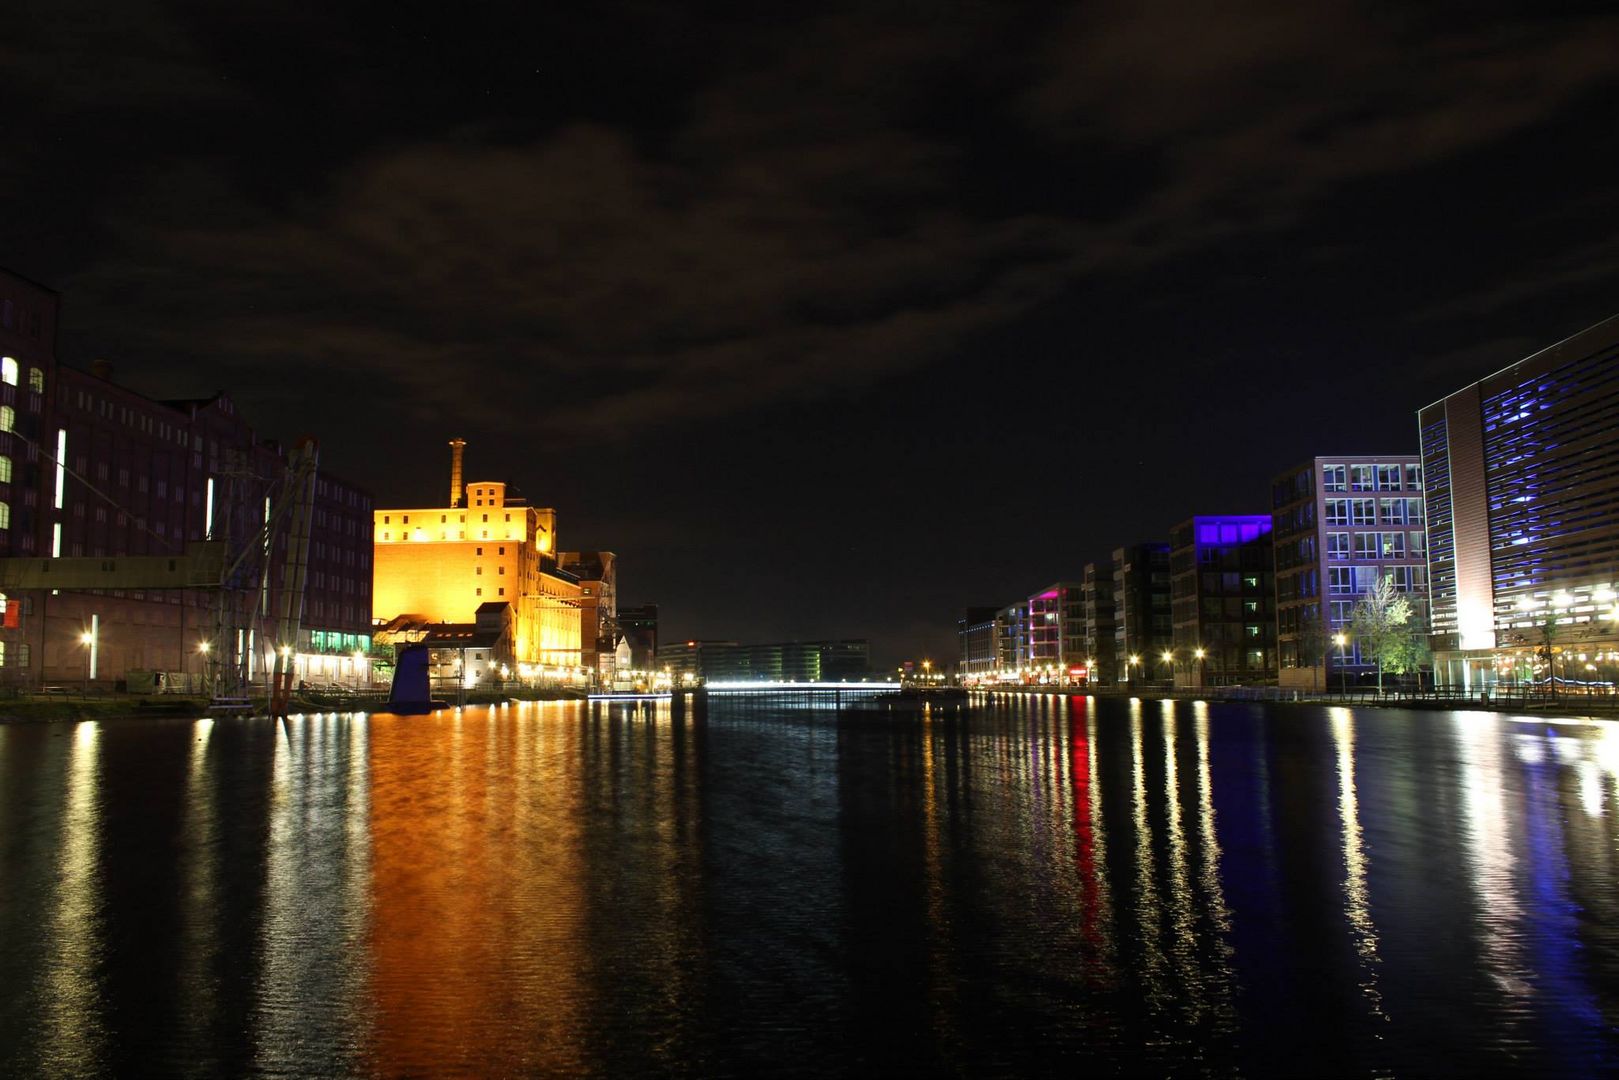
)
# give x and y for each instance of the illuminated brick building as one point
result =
(441, 563)
(1522, 497)
(597, 574)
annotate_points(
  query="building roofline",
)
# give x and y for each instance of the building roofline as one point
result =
(1611, 320)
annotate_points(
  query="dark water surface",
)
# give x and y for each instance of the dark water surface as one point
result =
(547, 889)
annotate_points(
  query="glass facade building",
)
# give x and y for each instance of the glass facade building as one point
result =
(1522, 500)
(1221, 589)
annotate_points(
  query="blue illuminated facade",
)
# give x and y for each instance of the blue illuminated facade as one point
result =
(1523, 518)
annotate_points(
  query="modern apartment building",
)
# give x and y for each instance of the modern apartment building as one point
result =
(1099, 627)
(1143, 627)
(1522, 498)
(1056, 640)
(1339, 524)
(1221, 581)
(1012, 640)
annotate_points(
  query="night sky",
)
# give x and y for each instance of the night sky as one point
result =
(828, 325)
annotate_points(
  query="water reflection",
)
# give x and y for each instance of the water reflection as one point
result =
(73, 1017)
(609, 890)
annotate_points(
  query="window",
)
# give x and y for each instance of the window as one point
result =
(1365, 545)
(1332, 478)
(1419, 543)
(8, 370)
(36, 380)
(478, 550)
(1362, 511)
(8, 418)
(1365, 577)
(1337, 511)
(5, 471)
(500, 551)
(5, 515)
(478, 571)
(1393, 511)
(502, 592)
(1413, 511)
(1413, 477)
(1340, 579)
(1393, 545)
(1388, 478)
(501, 571)
(1337, 545)
(405, 519)
(385, 519)
(1362, 478)
(477, 592)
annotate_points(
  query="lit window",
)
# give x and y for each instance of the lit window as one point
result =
(1362, 478)
(5, 515)
(1332, 478)
(5, 471)
(36, 380)
(1337, 545)
(8, 370)
(8, 418)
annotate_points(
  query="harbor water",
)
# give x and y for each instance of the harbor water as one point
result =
(1048, 884)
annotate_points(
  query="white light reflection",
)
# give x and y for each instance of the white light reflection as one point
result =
(1184, 949)
(1489, 849)
(1357, 907)
(74, 1034)
(1209, 878)
(1147, 907)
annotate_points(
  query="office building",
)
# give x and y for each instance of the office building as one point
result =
(1221, 589)
(1339, 524)
(1143, 628)
(979, 651)
(792, 661)
(1522, 471)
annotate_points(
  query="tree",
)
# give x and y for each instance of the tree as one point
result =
(1381, 623)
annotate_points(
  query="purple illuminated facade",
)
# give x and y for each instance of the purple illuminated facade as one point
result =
(1222, 602)
(1522, 501)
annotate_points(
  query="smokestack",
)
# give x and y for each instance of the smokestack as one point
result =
(456, 446)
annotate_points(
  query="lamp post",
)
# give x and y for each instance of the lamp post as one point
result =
(1168, 657)
(88, 639)
(1134, 662)
(1340, 640)
(1202, 668)
(202, 651)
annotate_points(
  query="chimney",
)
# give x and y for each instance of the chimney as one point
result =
(456, 446)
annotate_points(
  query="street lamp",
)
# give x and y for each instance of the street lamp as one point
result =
(1202, 668)
(90, 640)
(1135, 661)
(1340, 640)
(1168, 657)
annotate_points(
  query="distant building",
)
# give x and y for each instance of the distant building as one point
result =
(597, 574)
(1143, 627)
(639, 627)
(979, 647)
(795, 661)
(441, 563)
(27, 369)
(1012, 640)
(1056, 633)
(1221, 580)
(1522, 496)
(1339, 524)
(1099, 628)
